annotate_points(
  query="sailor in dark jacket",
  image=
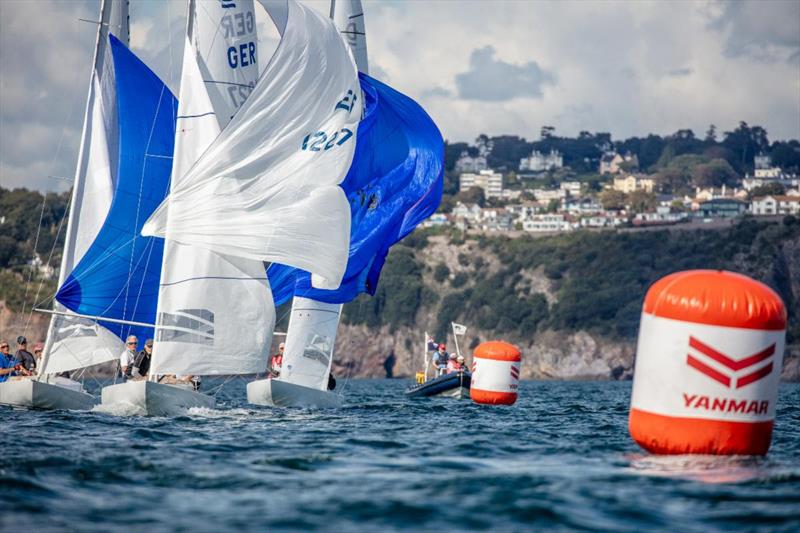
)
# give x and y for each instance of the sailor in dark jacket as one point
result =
(25, 358)
(141, 363)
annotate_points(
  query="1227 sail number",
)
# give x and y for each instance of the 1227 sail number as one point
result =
(315, 142)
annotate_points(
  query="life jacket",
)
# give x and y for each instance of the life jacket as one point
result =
(454, 366)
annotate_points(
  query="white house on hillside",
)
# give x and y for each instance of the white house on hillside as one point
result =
(467, 163)
(539, 162)
(775, 205)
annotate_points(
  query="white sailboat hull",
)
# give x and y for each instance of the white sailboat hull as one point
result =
(155, 399)
(33, 394)
(278, 393)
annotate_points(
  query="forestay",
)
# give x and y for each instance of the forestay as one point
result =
(74, 342)
(117, 277)
(268, 187)
(215, 313)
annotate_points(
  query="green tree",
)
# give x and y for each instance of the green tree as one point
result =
(715, 173)
(441, 272)
(768, 189)
(642, 201)
(613, 199)
(474, 195)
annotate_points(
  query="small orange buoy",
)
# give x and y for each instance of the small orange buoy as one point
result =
(708, 361)
(495, 373)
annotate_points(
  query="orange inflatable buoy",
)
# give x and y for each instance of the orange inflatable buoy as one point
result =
(708, 361)
(495, 373)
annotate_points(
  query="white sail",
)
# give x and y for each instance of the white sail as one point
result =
(215, 313)
(73, 342)
(225, 39)
(349, 18)
(309, 343)
(312, 321)
(267, 187)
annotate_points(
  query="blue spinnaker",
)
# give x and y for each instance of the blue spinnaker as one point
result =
(119, 274)
(394, 183)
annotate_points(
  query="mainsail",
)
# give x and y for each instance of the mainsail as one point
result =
(117, 277)
(74, 342)
(215, 312)
(348, 15)
(267, 188)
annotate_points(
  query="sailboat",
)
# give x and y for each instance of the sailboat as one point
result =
(74, 343)
(394, 183)
(213, 311)
(316, 150)
(313, 324)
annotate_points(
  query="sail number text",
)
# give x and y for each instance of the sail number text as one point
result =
(315, 142)
(318, 141)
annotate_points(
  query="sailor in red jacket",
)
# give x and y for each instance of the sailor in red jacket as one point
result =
(276, 361)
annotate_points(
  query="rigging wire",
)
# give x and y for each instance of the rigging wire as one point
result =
(44, 200)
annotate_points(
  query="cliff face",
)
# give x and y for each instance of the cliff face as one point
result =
(13, 324)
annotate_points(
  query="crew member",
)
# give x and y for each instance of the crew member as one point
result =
(141, 365)
(8, 363)
(24, 357)
(127, 357)
(455, 363)
(276, 361)
(440, 356)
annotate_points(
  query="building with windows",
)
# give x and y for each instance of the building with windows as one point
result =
(539, 162)
(633, 183)
(573, 188)
(775, 205)
(721, 208)
(490, 181)
(467, 163)
(544, 223)
(611, 162)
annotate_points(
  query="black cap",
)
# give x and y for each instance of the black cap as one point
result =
(22, 340)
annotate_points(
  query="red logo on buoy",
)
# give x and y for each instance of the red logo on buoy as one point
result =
(727, 379)
(515, 372)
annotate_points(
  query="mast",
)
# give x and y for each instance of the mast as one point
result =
(70, 339)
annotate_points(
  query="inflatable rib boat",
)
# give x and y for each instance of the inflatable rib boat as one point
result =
(454, 385)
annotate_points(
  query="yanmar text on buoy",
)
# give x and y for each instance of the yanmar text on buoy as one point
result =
(708, 361)
(495, 373)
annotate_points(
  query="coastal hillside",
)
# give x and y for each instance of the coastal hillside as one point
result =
(571, 302)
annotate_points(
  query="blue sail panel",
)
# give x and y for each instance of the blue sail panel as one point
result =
(394, 183)
(119, 274)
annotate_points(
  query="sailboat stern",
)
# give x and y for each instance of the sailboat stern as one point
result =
(276, 393)
(33, 394)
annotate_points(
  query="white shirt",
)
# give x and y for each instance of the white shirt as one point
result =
(126, 358)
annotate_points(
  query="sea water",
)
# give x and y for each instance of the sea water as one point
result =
(560, 459)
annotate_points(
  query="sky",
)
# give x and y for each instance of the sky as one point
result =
(500, 67)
